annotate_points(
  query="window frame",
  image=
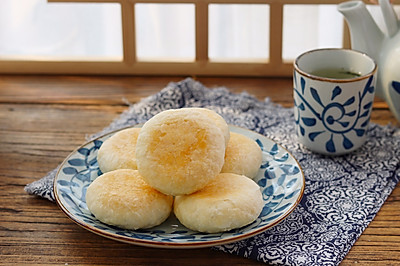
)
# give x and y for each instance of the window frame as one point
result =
(202, 66)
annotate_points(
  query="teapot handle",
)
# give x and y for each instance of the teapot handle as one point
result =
(389, 16)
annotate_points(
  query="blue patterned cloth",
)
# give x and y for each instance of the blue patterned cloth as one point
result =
(342, 194)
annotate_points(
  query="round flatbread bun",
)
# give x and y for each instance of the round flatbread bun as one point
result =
(122, 198)
(243, 156)
(229, 201)
(118, 151)
(179, 151)
(218, 120)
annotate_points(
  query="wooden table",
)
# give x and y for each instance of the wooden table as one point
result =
(43, 118)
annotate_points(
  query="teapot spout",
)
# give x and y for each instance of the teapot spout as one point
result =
(389, 16)
(364, 33)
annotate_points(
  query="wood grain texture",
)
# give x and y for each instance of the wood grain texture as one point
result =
(43, 118)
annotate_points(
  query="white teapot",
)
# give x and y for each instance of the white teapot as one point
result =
(384, 48)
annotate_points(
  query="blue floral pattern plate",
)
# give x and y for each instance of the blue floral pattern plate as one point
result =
(280, 178)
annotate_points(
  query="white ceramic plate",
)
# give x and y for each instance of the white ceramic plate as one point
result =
(280, 178)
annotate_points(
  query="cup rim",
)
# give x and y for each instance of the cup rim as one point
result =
(314, 77)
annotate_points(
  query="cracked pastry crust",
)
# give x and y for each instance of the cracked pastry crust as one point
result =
(180, 150)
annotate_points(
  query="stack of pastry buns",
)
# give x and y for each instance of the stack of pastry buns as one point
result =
(182, 161)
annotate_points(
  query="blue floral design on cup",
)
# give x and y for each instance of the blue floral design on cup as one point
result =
(358, 109)
(332, 111)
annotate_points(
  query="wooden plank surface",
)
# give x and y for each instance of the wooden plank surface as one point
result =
(43, 118)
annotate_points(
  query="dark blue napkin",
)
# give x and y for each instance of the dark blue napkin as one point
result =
(342, 194)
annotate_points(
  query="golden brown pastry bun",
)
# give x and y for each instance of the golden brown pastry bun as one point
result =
(179, 151)
(122, 198)
(227, 202)
(243, 156)
(118, 151)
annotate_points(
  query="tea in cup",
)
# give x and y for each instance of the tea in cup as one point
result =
(334, 91)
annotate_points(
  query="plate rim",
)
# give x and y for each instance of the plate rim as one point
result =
(175, 245)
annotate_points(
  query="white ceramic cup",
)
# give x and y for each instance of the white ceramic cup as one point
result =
(332, 114)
